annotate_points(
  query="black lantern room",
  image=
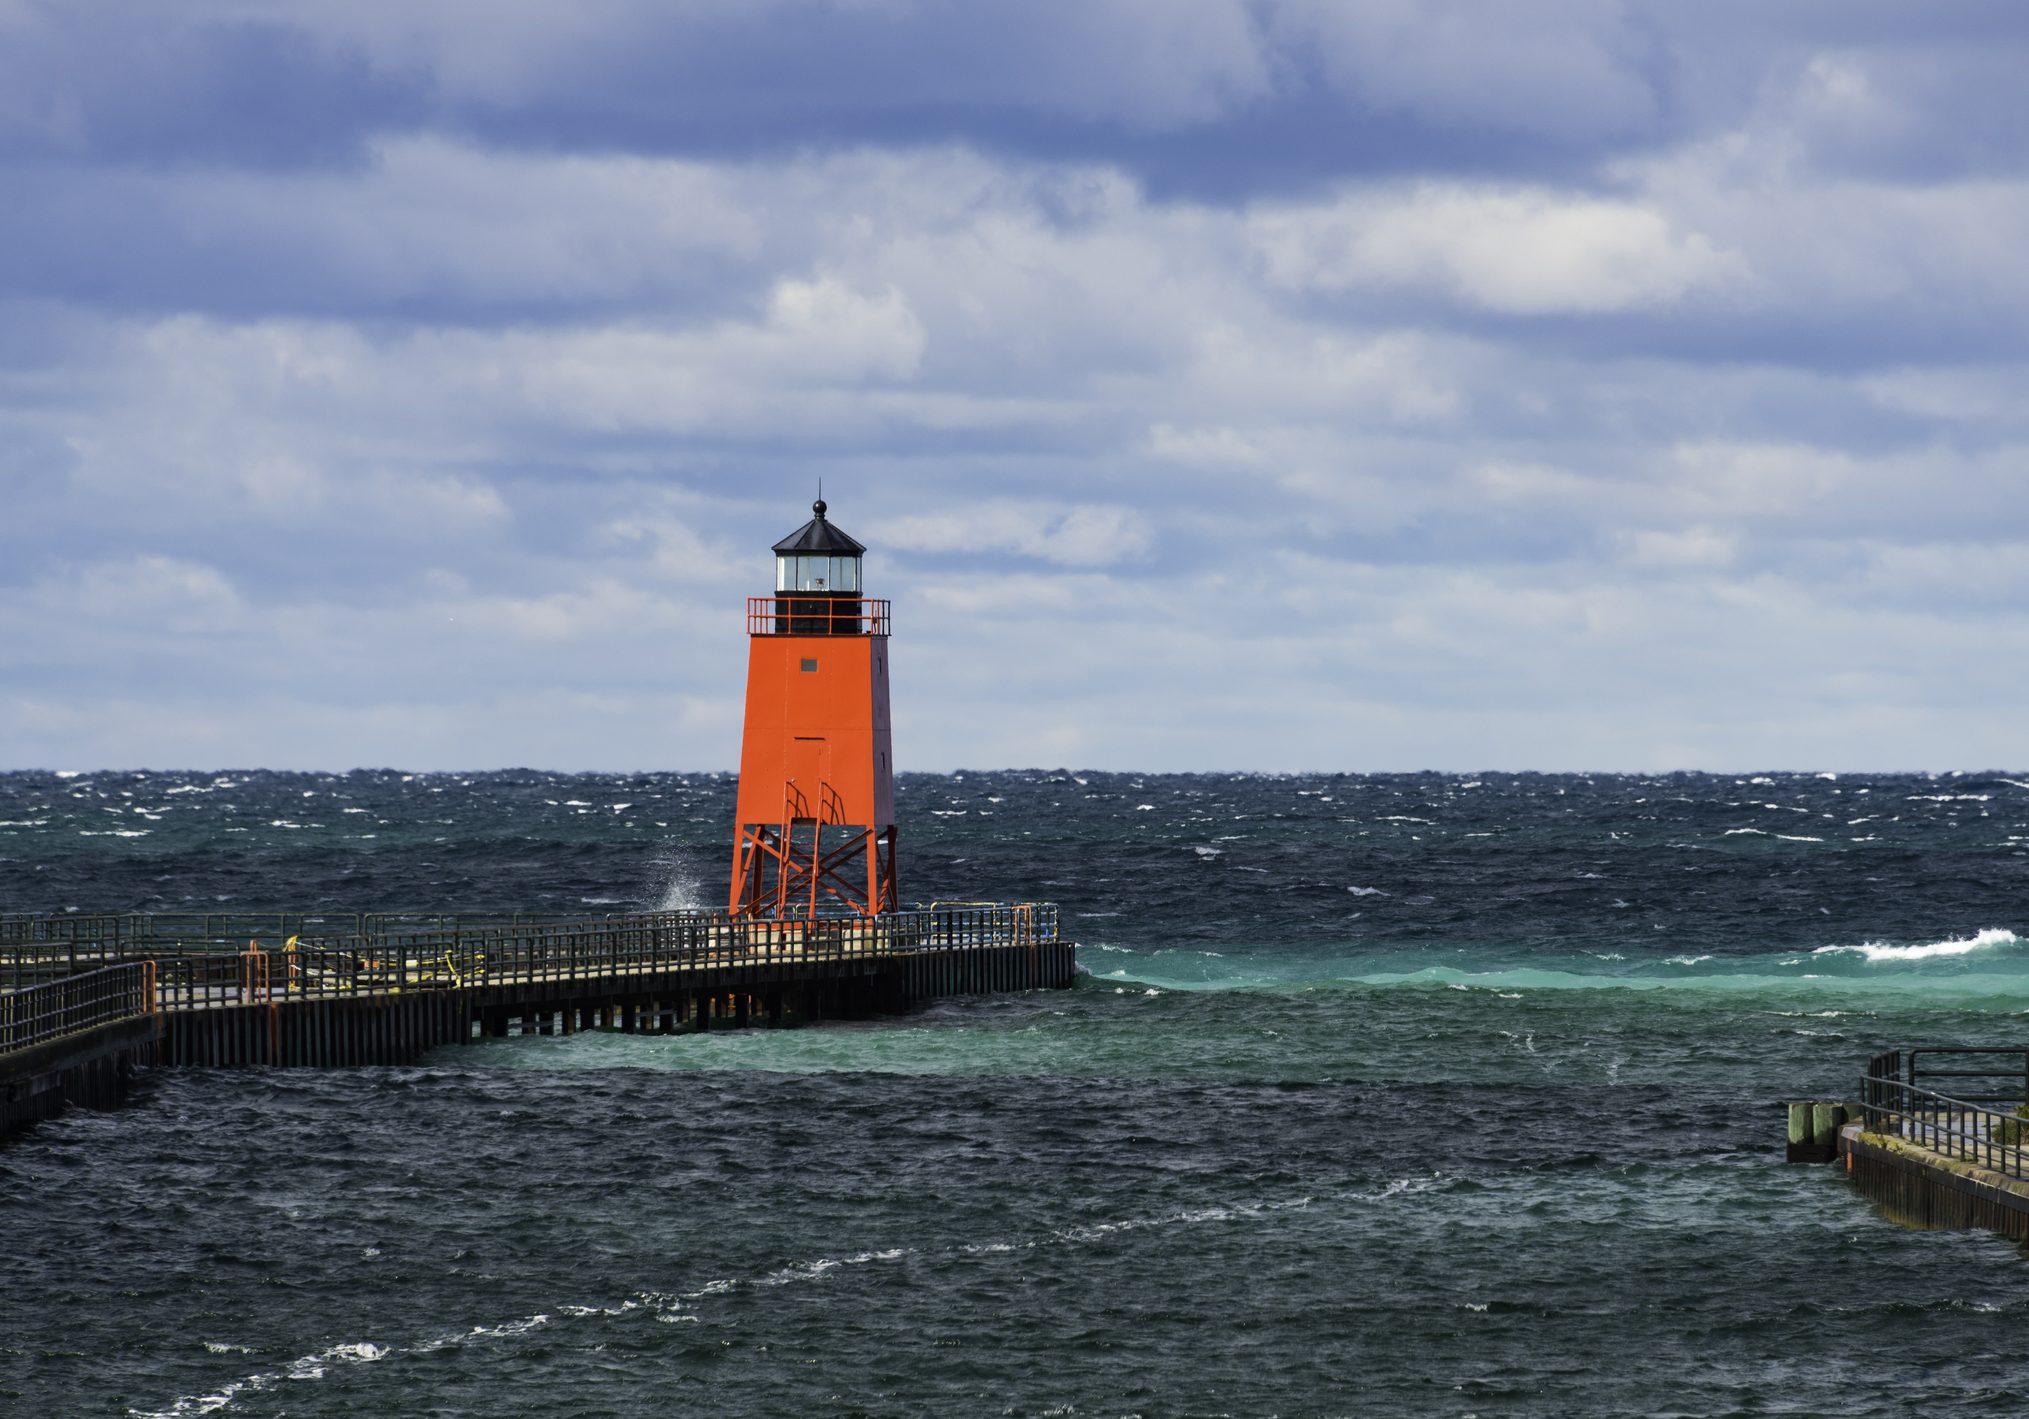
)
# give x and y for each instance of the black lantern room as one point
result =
(817, 580)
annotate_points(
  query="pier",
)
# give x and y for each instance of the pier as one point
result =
(1942, 1137)
(85, 1001)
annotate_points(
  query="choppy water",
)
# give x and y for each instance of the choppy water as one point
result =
(1387, 1095)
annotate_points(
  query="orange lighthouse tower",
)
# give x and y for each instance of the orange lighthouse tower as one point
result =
(816, 830)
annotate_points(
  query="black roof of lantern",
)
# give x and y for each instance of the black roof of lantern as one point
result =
(818, 538)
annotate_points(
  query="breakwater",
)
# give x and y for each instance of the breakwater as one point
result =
(93, 998)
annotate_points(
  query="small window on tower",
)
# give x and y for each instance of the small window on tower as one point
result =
(809, 665)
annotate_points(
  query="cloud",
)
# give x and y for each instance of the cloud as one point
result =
(185, 595)
(420, 225)
(1220, 447)
(1692, 547)
(1953, 580)
(1836, 266)
(704, 74)
(1566, 69)
(430, 505)
(242, 386)
(1134, 61)
(680, 552)
(1957, 395)
(1513, 251)
(1236, 97)
(1502, 481)
(1077, 536)
(1577, 386)
(1722, 249)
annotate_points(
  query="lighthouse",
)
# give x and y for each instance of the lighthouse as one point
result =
(815, 834)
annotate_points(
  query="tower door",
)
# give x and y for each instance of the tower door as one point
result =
(808, 792)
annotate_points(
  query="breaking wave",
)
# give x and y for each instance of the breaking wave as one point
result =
(1986, 940)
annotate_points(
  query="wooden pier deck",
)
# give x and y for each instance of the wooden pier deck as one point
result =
(90, 999)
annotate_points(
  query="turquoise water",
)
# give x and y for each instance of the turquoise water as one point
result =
(1498, 1132)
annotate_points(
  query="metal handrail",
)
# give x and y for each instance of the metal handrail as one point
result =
(107, 939)
(1955, 1128)
(791, 614)
(507, 953)
(75, 1004)
(36, 949)
(1911, 1064)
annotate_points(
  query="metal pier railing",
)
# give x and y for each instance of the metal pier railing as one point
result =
(203, 960)
(87, 1001)
(1967, 1123)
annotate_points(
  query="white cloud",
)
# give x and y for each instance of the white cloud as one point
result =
(1269, 368)
(1958, 579)
(432, 505)
(141, 590)
(1691, 547)
(236, 398)
(1514, 251)
(679, 552)
(1080, 535)
(1814, 247)
(1740, 480)
(1986, 395)
(1217, 447)
(1504, 481)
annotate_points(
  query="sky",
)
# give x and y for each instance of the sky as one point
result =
(1217, 384)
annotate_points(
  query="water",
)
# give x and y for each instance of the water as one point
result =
(1403, 1094)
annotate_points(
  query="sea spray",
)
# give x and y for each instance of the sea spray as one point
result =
(677, 885)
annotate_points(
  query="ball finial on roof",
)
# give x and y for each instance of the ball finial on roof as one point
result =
(818, 507)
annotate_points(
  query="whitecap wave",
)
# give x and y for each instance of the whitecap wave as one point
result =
(304, 1368)
(1988, 939)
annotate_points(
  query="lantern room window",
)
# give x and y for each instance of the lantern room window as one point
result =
(805, 572)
